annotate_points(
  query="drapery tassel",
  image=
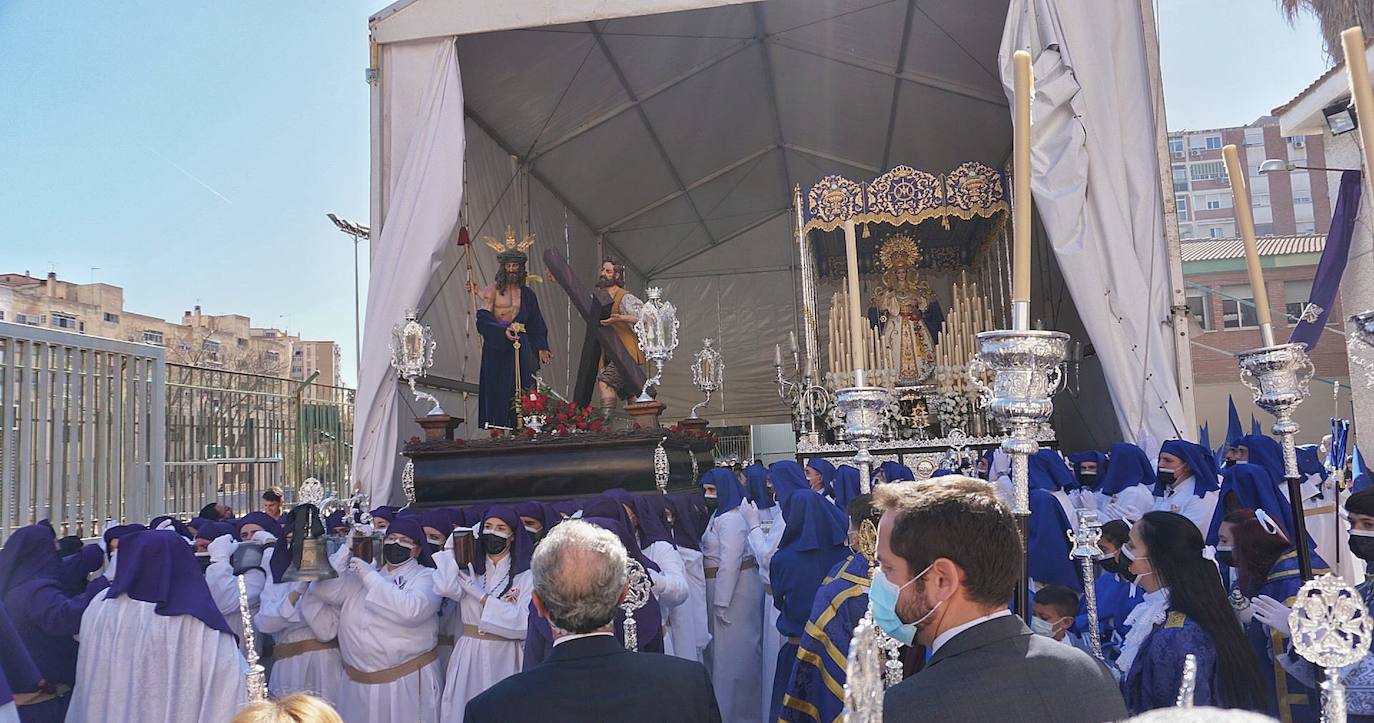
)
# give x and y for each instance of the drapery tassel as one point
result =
(867, 233)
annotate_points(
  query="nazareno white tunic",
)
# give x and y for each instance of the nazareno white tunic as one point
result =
(479, 662)
(735, 594)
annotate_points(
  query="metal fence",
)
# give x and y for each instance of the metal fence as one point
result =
(232, 435)
(81, 429)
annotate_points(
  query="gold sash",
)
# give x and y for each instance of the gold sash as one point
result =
(387, 675)
(282, 651)
(746, 565)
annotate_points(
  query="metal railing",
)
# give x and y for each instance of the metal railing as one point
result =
(81, 430)
(232, 435)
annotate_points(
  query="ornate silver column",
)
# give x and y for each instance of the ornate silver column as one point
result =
(1026, 374)
(1278, 375)
(1085, 550)
(863, 424)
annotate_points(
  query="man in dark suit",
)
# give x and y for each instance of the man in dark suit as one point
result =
(579, 579)
(949, 556)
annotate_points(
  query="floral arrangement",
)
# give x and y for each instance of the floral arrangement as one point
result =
(543, 413)
(693, 433)
(949, 409)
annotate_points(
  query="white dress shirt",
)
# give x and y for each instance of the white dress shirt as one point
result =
(947, 635)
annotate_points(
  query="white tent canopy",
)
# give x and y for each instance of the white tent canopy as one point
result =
(670, 134)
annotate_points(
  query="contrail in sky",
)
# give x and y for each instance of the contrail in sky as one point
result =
(189, 175)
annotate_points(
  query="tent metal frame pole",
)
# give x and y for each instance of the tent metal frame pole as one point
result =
(611, 227)
(775, 109)
(653, 273)
(897, 83)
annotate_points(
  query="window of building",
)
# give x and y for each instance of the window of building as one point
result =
(2, 314)
(1216, 232)
(1308, 227)
(30, 319)
(1238, 307)
(1176, 147)
(1208, 170)
(152, 337)
(111, 318)
(1259, 200)
(273, 357)
(1182, 203)
(183, 347)
(1300, 200)
(1213, 202)
(1180, 179)
(63, 321)
(1295, 296)
(1200, 306)
(1254, 136)
(211, 348)
(242, 343)
(1212, 143)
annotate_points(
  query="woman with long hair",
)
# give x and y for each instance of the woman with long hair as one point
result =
(1185, 611)
(1256, 546)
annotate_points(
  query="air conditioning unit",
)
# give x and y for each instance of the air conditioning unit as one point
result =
(1196, 152)
(1299, 141)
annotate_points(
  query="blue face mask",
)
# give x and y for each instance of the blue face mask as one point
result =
(882, 600)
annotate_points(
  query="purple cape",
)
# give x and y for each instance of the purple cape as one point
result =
(157, 566)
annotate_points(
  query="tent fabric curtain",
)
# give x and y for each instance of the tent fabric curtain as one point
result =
(1096, 188)
(424, 195)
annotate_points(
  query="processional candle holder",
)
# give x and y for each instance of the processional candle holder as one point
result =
(1278, 375)
(863, 685)
(1085, 549)
(808, 400)
(309, 548)
(1026, 369)
(1188, 685)
(708, 373)
(863, 407)
(412, 354)
(1330, 628)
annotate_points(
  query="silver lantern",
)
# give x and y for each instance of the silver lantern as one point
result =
(1026, 372)
(412, 354)
(708, 373)
(656, 331)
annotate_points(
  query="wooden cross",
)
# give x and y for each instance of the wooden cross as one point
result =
(593, 306)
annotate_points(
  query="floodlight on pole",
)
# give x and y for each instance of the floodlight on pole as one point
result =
(1278, 165)
(358, 233)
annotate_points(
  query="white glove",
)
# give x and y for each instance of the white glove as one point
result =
(165, 524)
(362, 530)
(1113, 512)
(359, 567)
(1246, 614)
(264, 537)
(750, 513)
(1272, 613)
(339, 560)
(221, 548)
(470, 586)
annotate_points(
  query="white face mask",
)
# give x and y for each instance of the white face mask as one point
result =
(531, 529)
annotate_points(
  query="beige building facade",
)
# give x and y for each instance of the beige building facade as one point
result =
(221, 341)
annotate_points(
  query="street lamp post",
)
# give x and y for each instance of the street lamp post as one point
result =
(358, 233)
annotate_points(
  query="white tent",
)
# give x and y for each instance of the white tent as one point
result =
(670, 133)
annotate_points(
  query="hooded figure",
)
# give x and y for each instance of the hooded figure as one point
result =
(847, 486)
(304, 628)
(77, 567)
(1048, 542)
(18, 672)
(1088, 480)
(820, 473)
(1048, 472)
(388, 628)
(787, 477)
(493, 597)
(260, 519)
(157, 603)
(894, 472)
(813, 545)
(756, 488)
(654, 541)
(1249, 486)
(734, 592)
(690, 630)
(1187, 482)
(1125, 492)
(47, 618)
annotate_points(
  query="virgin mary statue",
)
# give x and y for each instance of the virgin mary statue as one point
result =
(905, 312)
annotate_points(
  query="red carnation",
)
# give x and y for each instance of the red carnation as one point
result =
(495, 433)
(561, 429)
(529, 432)
(414, 440)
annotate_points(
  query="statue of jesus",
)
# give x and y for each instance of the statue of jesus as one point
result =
(905, 312)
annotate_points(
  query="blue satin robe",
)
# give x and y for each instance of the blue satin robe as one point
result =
(1114, 603)
(1289, 699)
(815, 688)
(1154, 678)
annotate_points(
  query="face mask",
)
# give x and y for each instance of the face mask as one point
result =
(710, 502)
(1110, 564)
(1229, 463)
(493, 543)
(1089, 479)
(1166, 476)
(882, 598)
(1226, 556)
(395, 553)
(1046, 628)
(435, 542)
(1362, 544)
(532, 530)
(203, 559)
(1126, 569)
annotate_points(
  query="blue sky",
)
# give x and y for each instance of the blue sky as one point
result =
(190, 150)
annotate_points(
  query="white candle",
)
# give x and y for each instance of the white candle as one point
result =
(792, 339)
(1021, 186)
(777, 356)
(851, 249)
(1245, 219)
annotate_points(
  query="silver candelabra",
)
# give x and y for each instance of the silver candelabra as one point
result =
(807, 400)
(863, 407)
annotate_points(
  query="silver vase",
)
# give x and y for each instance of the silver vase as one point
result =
(863, 424)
